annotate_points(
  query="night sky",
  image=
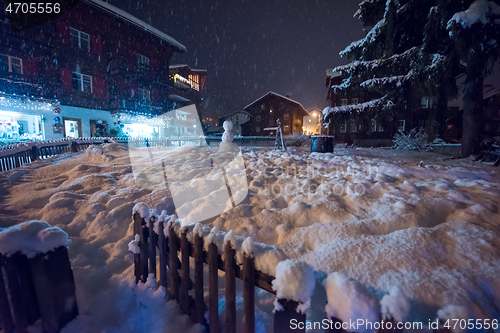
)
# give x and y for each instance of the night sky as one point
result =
(252, 47)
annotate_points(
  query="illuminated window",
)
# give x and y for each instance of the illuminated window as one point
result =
(343, 101)
(82, 82)
(80, 39)
(11, 64)
(195, 82)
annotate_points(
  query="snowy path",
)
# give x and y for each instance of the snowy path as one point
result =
(373, 214)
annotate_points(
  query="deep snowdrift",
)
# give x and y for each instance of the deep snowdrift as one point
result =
(373, 215)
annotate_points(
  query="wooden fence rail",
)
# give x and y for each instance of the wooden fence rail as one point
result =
(178, 282)
(37, 288)
(175, 251)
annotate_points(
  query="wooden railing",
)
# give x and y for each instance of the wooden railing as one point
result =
(179, 285)
(37, 288)
(176, 245)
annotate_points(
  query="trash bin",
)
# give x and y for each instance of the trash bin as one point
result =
(322, 143)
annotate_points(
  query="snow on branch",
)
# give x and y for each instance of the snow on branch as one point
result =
(396, 81)
(359, 66)
(370, 37)
(479, 11)
(373, 105)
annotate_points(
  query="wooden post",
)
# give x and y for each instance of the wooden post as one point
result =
(55, 289)
(137, 257)
(283, 318)
(16, 160)
(213, 289)
(185, 279)
(249, 294)
(5, 315)
(34, 153)
(174, 264)
(152, 246)
(19, 312)
(230, 268)
(162, 247)
(199, 303)
(23, 269)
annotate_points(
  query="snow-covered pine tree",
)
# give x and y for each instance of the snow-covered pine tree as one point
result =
(391, 60)
(417, 48)
(475, 32)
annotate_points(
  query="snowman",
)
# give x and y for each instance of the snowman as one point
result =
(227, 136)
(226, 145)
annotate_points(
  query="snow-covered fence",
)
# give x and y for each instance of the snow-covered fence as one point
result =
(181, 249)
(254, 264)
(36, 279)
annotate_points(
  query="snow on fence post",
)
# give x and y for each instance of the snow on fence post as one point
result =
(294, 286)
(137, 250)
(152, 243)
(185, 299)
(248, 286)
(213, 288)
(141, 232)
(162, 248)
(199, 303)
(37, 278)
(173, 290)
(230, 268)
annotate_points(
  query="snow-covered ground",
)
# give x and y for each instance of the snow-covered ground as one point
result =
(379, 216)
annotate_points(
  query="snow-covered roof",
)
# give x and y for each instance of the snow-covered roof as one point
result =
(273, 93)
(332, 73)
(137, 22)
(185, 65)
(236, 112)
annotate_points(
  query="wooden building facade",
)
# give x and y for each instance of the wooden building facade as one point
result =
(272, 106)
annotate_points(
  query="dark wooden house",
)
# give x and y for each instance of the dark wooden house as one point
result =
(272, 106)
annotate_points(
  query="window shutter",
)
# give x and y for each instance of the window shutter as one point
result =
(96, 44)
(99, 86)
(65, 74)
(30, 67)
(63, 31)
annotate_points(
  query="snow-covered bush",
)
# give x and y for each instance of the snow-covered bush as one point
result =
(412, 141)
(296, 140)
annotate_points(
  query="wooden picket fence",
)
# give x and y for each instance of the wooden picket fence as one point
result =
(37, 288)
(179, 284)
